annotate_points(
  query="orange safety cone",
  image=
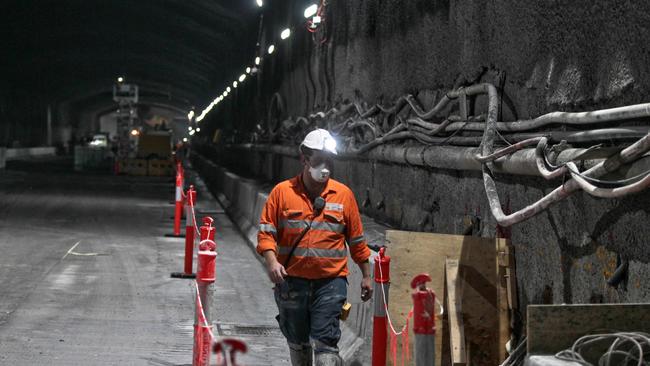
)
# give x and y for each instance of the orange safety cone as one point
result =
(178, 209)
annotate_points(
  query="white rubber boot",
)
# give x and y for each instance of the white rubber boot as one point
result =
(328, 359)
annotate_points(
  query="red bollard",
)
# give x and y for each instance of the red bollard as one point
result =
(380, 323)
(207, 230)
(189, 237)
(205, 275)
(228, 349)
(189, 230)
(178, 209)
(424, 321)
(181, 172)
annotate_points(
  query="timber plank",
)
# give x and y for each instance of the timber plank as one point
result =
(454, 312)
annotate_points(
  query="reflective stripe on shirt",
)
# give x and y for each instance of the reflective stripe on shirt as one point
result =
(268, 228)
(356, 240)
(314, 252)
(315, 225)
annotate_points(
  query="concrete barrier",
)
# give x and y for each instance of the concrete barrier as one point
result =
(260, 201)
(244, 200)
(27, 152)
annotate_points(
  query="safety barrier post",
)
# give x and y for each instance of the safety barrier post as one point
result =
(189, 236)
(177, 182)
(380, 325)
(205, 275)
(424, 321)
(189, 229)
(178, 209)
(228, 349)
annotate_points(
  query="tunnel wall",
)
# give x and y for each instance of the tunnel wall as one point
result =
(544, 56)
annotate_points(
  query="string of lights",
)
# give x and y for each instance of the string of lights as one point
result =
(313, 14)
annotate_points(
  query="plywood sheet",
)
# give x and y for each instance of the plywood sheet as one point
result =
(413, 253)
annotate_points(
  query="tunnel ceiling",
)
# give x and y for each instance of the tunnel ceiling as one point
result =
(74, 49)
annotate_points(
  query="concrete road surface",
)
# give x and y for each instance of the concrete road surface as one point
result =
(85, 273)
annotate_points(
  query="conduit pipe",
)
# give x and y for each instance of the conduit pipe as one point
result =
(636, 111)
(541, 164)
(600, 135)
(572, 168)
(508, 150)
(608, 192)
(627, 155)
(521, 162)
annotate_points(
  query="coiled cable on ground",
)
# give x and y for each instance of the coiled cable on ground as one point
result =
(626, 348)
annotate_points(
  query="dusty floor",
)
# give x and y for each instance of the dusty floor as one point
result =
(85, 273)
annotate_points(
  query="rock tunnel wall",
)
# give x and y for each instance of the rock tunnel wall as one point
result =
(543, 56)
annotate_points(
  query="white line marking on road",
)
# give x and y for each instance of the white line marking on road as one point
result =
(71, 249)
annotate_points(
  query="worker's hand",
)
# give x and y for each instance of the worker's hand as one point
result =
(366, 289)
(276, 272)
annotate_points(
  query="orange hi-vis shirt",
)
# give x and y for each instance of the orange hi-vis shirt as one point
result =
(322, 252)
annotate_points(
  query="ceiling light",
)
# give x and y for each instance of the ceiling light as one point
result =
(257, 60)
(260, 3)
(234, 84)
(285, 33)
(248, 70)
(226, 93)
(184, 139)
(198, 129)
(228, 90)
(191, 132)
(242, 77)
(271, 49)
(190, 115)
(189, 128)
(311, 10)
(135, 132)
(120, 79)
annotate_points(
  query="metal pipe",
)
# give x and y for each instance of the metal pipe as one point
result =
(557, 117)
(541, 163)
(584, 118)
(522, 162)
(627, 155)
(508, 150)
(608, 192)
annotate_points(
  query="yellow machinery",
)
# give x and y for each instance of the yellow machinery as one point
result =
(153, 157)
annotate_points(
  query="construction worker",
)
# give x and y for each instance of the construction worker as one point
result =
(304, 228)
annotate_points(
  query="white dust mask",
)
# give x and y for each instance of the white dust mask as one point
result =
(319, 173)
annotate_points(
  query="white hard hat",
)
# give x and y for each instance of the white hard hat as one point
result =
(320, 139)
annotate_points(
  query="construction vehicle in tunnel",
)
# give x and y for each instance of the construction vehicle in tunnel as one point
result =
(153, 155)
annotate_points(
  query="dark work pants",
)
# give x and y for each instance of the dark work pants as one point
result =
(311, 309)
